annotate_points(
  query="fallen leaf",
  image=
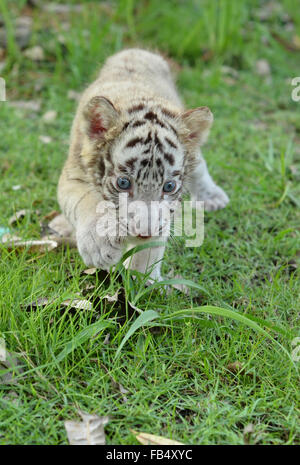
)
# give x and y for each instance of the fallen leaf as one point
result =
(9, 238)
(11, 365)
(22, 32)
(16, 188)
(3, 231)
(40, 302)
(13, 398)
(32, 105)
(181, 287)
(235, 367)
(106, 339)
(49, 116)
(45, 139)
(32, 245)
(296, 41)
(112, 298)
(2, 349)
(247, 432)
(59, 8)
(290, 46)
(35, 53)
(51, 215)
(262, 67)
(90, 271)
(73, 95)
(78, 303)
(228, 70)
(90, 431)
(152, 440)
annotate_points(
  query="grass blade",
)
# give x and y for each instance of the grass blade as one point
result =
(144, 318)
(81, 337)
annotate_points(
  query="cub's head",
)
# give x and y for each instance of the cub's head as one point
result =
(145, 152)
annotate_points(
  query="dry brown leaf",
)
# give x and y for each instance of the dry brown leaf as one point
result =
(235, 367)
(60, 8)
(45, 139)
(35, 53)
(22, 32)
(2, 349)
(247, 432)
(151, 439)
(10, 364)
(13, 398)
(112, 298)
(262, 67)
(32, 245)
(31, 105)
(49, 116)
(181, 287)
(51, 215)
(10, 238)
(90, 431)
(73, 95)
(78, 303)
(90, 271)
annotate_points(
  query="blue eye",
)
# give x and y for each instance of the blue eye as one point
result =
(124, 183)
(169, 186)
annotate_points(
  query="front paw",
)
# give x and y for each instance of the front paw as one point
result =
(97, 251)
(216, 199)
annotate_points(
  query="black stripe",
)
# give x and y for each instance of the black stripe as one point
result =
(158, 142)
(138, 123)
(171, 143)
(145, 162)
(149, 139)
(135, 141)
(173, 129)
(169, 157)
(153, 117)
(168, 113)
(101, 167)
(138, 107)
(130, 163)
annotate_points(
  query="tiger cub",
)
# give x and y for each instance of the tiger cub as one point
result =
(131, 135)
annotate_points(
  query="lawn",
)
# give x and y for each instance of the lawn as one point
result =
(196, 377)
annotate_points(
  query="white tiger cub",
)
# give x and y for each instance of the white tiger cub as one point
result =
(132, 135)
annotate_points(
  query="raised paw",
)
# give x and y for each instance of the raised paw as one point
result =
(216, 200)
(95, 251)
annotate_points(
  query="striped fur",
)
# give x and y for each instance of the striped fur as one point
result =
(131, 122)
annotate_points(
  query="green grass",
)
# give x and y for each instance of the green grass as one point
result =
(175, 367)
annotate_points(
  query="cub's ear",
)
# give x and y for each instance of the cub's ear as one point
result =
(197, 124)
(100, 115)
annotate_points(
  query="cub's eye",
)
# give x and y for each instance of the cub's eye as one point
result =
(124, 183)
(169, 186)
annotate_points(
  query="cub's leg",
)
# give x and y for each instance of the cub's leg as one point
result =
(78, 201)
(148, 259)
(202, 187)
